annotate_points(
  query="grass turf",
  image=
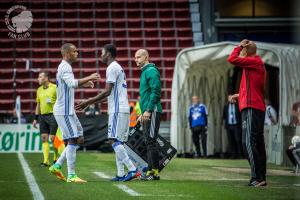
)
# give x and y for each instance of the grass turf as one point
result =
(13, 184)
(181, 179)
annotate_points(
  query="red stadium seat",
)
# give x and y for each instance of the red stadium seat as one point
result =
(134, 23)
(117, 5)
(87, 42)
(167, 32)
(102, 36)
(170, 52)
(134, 5)
(182, 12)
(151, 33)
(185, 42)
(70, 5)
(184, 32)
(152, 42)
(38, 5)
(162, 27)
(22, 43)
(166, 13)
(119, 33)
(101, 13)
(133, 14)
(103, 22)
(150, 23)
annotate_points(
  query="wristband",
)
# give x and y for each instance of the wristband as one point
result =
(36, 117)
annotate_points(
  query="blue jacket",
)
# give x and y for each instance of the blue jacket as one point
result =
(198, 115)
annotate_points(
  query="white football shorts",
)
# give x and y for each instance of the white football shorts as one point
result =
(118, 126)
(69, 125)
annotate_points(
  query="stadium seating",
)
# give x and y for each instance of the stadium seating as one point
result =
(163, 27)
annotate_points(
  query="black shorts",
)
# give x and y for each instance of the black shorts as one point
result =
(48, 124)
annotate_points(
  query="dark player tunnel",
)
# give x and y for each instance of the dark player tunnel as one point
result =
(272, 84)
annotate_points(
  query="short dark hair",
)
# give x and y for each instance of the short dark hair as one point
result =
(111, 49)
(46, 74)
(65, 48)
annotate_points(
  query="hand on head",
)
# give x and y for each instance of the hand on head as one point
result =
(244, 43)
(249, 47)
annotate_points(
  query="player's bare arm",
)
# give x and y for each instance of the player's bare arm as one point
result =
(88, 81)
(101, 97)
(89, 84)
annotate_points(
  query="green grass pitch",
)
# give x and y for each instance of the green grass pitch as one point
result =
(182, 179)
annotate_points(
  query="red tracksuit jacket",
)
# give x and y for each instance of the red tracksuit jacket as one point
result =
(252, 84)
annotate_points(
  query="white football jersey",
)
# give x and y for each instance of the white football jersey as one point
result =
(65, 84)
(118, 99)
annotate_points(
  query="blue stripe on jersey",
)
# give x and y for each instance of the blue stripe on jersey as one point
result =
(114, 125)
(116, 101)
(65, 91)
(69, 125)
(116, 97)
(67, 99)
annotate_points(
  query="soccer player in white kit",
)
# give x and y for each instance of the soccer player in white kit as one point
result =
(64, 112)
(118, 110)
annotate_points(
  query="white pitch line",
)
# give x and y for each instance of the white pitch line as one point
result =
(35, 190)
(129, 191)
(102, 175)
(120, 186)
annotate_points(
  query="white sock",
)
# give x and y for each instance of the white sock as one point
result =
(61, 159)
(71, 158)
(121, 153)
(120, 167)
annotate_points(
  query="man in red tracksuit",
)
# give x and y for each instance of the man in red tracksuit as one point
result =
(252, 106)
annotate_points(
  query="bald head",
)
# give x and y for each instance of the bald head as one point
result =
(141, 57)
(69, 52)
(251, 48)
(143, 52)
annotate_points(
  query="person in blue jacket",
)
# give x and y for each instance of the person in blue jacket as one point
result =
(198, 124)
